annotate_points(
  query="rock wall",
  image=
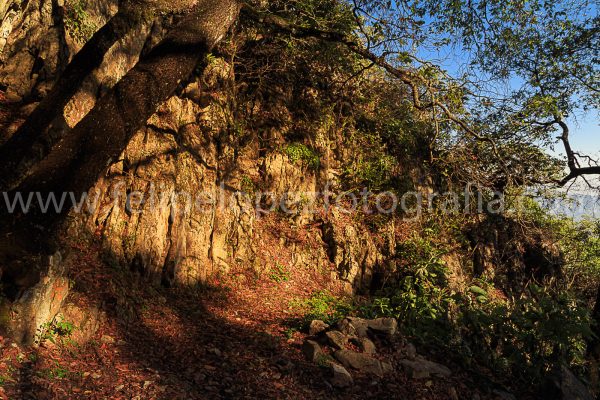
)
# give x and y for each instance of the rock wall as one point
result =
(179, 204)
(35, 44)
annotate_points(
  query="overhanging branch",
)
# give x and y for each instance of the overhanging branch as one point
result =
(409, 78)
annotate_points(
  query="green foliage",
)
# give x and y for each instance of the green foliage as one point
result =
(580, 244)
(375, 173)
(57, 372)
(54, 331)
(386, 146)
(323, 306)
(247, 185)
(524, 337)
(298, 152)
(279, 273)
(77, 20)
(420, 300)
(290, 332)
(521, 337)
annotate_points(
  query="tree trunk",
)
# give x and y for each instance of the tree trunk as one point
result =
(19, 153)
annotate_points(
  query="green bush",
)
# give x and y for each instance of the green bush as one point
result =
(525, 336)
(323, 306)
(522, 337)
(420, 299)
(279, 273)
(297, 152)
(375, 172)
(77, 20)
(55, 331)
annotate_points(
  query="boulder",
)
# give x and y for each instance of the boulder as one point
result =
(359, 325)
(86, 321)
(385, 326)
(341, 378)
(312, 351)
(346, 327)
(337, 339)
(359, 361)
(420, 368)
(39, 295)
(366, 345)
(410, 351)
(562, 384)
(317, 326)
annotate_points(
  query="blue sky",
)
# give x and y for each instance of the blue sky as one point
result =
(585, 128)
(585, 134)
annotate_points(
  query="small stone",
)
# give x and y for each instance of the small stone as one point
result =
(146, 385)
(367, 346)
(341, 377)
(359, 361)
(317, 326)
(312, 351)
(387, 367)
(107, 339)
(360, 325)
(346, 327)
(215, 351)
(96, 376)
(453, 394)
(410, 351)
(119, 388)
(421, 368)
(386, 326)
(337, 339)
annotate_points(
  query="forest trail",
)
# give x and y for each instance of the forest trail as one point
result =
(232, 339)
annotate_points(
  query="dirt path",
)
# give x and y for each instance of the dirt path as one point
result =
(227, 341)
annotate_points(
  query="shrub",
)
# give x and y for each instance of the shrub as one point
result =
(323, 306)
(522, 336)
(298, 152)
(77, 20)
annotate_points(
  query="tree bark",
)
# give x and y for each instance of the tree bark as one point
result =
(19, 153)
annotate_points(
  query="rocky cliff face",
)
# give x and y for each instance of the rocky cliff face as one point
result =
(182, 202)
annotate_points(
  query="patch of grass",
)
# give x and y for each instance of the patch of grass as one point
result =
(323, 306)
(279, 273)
(289, 333)
(57, 372)
(247, 185)
(54, 331)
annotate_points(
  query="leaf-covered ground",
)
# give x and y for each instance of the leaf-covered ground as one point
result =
(232, 339)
